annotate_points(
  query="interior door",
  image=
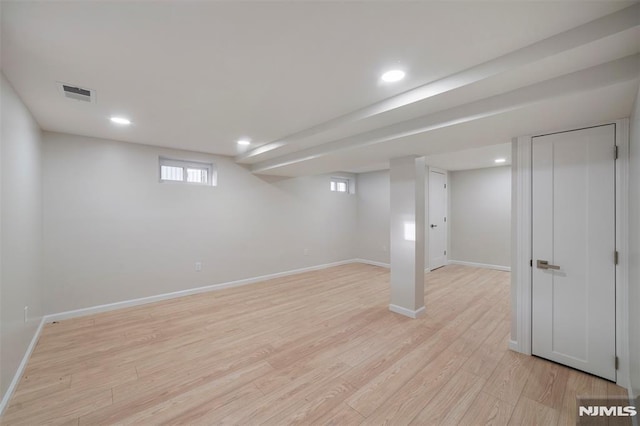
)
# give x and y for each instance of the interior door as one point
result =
(573, 303)
(437, 219)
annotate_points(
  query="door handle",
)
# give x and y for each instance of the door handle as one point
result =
(434, 226)
(544, 264)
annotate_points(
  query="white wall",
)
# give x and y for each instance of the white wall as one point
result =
(112, 232)
(373, 216)
(634, 248)
(20, 230)
(480, 216)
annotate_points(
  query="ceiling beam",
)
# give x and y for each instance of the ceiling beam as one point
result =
(613, 72)
(581, 35)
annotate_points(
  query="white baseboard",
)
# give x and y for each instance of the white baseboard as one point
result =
(372, 262)
(23, 364)
(407, 312)
(382, 265)
(480, 265)
(157, 298)
(513, 345)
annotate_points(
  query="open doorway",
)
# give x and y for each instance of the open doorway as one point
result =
(470, 198)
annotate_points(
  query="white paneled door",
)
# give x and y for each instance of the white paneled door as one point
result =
(437, 219)
(573, 303)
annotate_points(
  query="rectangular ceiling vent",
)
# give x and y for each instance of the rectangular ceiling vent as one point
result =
(77, 93)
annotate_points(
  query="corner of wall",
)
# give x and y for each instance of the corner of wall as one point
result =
(21, 237)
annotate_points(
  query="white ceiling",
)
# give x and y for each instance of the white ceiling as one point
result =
(200, 75)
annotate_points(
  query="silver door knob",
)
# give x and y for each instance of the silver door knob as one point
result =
(434, 226)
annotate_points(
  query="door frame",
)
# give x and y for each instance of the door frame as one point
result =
(521, 240)
(446, 210)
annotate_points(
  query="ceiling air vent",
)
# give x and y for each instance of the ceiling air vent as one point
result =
(78, 93)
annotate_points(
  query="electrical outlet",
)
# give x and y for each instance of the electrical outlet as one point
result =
(26, 313)
(198, 266)
(306, 252)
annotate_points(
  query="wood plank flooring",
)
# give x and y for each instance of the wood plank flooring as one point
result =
(314, 348)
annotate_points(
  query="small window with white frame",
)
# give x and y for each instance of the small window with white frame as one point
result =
(190, 172)
(339, 184)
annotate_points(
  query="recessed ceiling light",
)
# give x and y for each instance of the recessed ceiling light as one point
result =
(393, 75)
(500, 160)
(244, 142)
(120, 120)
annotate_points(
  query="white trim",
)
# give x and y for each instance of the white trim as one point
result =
(521, 247)
(381, 264)
(372, 262)
(157, 298)
(23, 364)
(150, 299)
(513, 345)
(480, 265)
(437, 170)
(407, 312)
(521, 238)
(622, 246)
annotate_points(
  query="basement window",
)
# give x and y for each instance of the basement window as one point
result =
(191, 172)
(339, 184)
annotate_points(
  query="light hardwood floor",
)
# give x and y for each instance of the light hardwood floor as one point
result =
(315, 348)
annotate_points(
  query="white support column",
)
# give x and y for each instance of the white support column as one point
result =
(407, 214)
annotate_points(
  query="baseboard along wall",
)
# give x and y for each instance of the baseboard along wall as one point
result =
(480, 265)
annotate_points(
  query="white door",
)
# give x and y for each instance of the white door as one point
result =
(437, 219)
(573, 304)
